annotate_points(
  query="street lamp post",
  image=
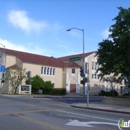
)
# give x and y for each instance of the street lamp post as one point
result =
(3, 65)
(4, 54)
(83, 57)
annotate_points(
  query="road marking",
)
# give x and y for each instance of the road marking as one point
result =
(30, 111)
(40, 122)
(22, 112)
(18, 104)
(87, 115)
(88, 123)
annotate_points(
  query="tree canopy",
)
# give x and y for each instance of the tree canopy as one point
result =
(37, 83)
(15, 77)
(113, 54)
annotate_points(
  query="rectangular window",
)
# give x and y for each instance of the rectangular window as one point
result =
(45, 70)
(53, 71)
(95, 76)
(53, 85)
(92, 65)
(41, 70)
(95, 88)
(86, 67)
(95, 65)
(73, 71)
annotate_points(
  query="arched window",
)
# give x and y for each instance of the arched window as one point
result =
(54, 71)
(41, 70)
(45, 70)
(103, 88)
(48, 71)
(53, 85)
(92, 65)
(73, 71)
(51, 71)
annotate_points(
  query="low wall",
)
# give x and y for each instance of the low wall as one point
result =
(116, 101)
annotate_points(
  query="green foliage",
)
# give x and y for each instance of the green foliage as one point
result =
(126, 96)
(47, 87)
(113, 53)
(15, 77)
(109, 93)
(112, 80)
(37, 83)
(58, 91)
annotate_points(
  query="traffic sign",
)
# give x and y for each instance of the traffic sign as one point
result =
(2, 68)
(74, 59)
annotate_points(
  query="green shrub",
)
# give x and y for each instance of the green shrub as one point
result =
(126, 94)
(47, 87)
(58, 91)
(110, 93)
(114, 93)
(37, 83)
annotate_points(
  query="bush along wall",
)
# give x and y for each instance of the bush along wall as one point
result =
(58, 91)
(110, 93)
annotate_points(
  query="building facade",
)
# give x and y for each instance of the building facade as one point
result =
(62, 72)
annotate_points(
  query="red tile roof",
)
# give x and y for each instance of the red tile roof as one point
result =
(71, 64)
(45, 60)
(34, 58)
(66, 58)
(13, 67)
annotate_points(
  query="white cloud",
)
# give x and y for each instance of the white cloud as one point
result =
(62, 46)
(105, 33)
(57, 26)
(20, 20)
(30, 44)
(59, 40)
(10, 45)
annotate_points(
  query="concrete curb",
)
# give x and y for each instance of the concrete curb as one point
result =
(54, 97)
(61, 97)
(101, 109)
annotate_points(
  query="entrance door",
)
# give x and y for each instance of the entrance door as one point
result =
(72, 88)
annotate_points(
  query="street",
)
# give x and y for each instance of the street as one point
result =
(28, 113)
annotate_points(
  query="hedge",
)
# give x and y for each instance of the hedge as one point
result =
(58, 91)
(110, 93)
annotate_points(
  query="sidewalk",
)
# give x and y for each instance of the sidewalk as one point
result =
(60, 96)
(103, 107)
(43, 96)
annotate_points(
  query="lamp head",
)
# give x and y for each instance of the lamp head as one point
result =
(68, 29)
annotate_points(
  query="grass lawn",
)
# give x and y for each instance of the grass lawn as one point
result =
(124, 96)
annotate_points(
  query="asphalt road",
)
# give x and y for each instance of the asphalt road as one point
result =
(27, 113)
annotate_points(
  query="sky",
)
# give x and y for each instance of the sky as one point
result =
(39, 26)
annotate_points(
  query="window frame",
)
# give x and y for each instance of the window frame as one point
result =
(73, 71)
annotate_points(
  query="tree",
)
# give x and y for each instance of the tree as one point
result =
(15, 77)
(113, 54)
(112, 81)
(37, 83)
